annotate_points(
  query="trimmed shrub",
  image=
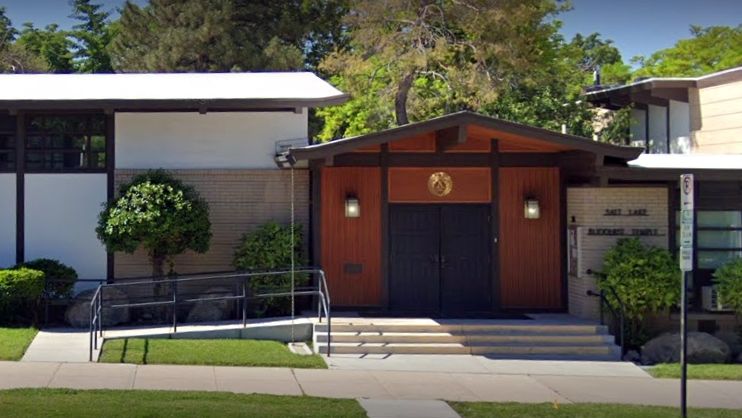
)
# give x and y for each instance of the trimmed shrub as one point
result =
(159, 213)
(20, 292)
(63, 276)
(645, 278)
(269, 248)
(728, 281)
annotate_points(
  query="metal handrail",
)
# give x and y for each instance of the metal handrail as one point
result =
(616, 313)
(321, 291)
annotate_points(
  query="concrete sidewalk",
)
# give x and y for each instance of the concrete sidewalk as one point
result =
(371, 384)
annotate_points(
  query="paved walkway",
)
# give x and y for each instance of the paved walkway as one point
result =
(66, 345)
(452, 363)
(371, 384)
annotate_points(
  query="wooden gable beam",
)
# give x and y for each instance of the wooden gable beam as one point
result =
(448, 137)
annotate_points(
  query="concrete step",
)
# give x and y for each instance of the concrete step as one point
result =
(578, 351)
(472, 339)
(500, 329)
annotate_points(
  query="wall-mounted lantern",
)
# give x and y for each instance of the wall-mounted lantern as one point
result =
(352, 207)
(531, 209)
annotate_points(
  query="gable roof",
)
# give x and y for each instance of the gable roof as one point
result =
(492, 127)
(167, 90)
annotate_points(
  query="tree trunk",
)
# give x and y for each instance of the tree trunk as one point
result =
(400, 100)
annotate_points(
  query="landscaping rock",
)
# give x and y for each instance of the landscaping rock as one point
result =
(632, 356)
(78, 314)
(733, 340)
(205, 312)
(211, 311)
(702, 348)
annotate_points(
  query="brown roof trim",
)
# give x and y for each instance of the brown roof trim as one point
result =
(163, 105)
(329, 149)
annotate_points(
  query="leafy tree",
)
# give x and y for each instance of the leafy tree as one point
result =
(469, 48)
(645, 278)
(710, 49)
(50, 44)
(226, 35)
(159, 213)
(91, 37)
(15, 58)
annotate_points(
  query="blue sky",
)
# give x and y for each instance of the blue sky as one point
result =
(638, 27)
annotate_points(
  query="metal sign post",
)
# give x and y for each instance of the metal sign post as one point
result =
(686, 266)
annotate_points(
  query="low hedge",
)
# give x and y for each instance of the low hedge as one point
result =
(60, 276)
(728, 279)
(20, 293)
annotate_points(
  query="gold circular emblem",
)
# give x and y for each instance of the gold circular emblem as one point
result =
(440, 184)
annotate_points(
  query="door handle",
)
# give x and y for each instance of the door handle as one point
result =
(443, 261)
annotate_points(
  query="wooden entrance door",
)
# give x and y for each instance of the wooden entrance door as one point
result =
(439, 259)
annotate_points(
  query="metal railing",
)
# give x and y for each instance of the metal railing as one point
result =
(320, 290)
(617, 312)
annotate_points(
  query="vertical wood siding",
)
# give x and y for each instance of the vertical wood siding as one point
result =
(352, 241)
(410, 185)
(530, 250)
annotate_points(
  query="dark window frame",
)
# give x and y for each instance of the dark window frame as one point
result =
(93, 162)
(4, 150)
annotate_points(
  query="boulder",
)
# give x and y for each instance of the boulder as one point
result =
(210, 311)
(205, 312)
(738, 360)
(632, 356)
(77, 315)
(702, 348)
(733, 340)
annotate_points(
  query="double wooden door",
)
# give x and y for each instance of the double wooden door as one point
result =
(439, 259)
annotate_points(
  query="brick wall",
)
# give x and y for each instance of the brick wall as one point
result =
(596, 224)
(239, 202)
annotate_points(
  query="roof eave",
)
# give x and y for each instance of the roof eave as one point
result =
(179, 104)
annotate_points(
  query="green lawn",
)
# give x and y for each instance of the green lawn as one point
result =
(15, 341)
(130, 403)
(519, 410)
(226, 352)
(699, 371)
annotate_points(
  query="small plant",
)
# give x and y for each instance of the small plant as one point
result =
(20, 293)
(160, 214)
(60, 278)
(728, 281)
(645, 278)
(269, 248)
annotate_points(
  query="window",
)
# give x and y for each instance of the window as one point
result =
(65, 143)
(7, 143)
(718, 237)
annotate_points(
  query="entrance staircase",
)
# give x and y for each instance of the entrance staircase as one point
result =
(497, 339)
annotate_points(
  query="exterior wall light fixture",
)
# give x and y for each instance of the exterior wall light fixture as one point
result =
(531, 209)
(352, 207)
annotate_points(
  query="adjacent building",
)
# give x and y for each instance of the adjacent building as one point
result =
(681, 115)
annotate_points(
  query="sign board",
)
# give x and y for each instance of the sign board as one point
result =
(686, 222)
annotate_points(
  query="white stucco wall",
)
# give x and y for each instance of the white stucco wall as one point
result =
(212, 140)
(679, 127)
(657, 129)
(7, 220)
(60, 220)
(638, 125)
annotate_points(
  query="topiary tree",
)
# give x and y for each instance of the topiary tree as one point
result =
(63, 276)
(645, 278)
(269, 248)
(159, 213)
(728, 281)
